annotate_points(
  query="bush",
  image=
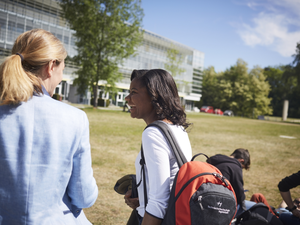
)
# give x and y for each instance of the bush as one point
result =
(101, 102)
(56, 97)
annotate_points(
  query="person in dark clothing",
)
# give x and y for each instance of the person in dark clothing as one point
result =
(284, 186)
(231, 168)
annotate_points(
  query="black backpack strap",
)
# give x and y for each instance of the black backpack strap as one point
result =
(143, 163)
(164, 128)
(174, 146)
(257, 205)
(199, 155)
(249, 211)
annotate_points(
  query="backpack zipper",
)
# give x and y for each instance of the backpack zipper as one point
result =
(195, 177)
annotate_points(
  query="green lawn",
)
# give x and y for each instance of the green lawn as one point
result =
(116, 137)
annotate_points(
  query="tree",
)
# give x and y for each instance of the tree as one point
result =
(245, 93)
(211, 93)
(106, 32)
(173, 65)
(237, 77)
(174, 62)
(296, 62)
(280, 89)
(259, 89)
(291, 75)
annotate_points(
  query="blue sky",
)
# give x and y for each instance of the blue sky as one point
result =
(261, 32)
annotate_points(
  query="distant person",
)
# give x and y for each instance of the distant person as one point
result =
(126, 107)
(293, 216)
(231, 168)
(45, 159)
(154, 97)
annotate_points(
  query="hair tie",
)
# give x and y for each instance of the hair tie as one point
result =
(20, 56)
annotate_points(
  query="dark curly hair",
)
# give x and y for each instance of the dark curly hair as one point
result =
(164, 94)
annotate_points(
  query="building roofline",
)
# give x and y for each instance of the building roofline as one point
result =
(169, 40)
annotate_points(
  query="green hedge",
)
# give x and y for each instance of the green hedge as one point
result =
(101, 102)
(57, 97)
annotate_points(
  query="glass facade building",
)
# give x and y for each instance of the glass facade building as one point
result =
(18, 16)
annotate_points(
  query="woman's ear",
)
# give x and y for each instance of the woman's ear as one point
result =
(50, 68)
(46, 72)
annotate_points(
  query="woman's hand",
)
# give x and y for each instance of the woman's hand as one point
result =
(131, 202)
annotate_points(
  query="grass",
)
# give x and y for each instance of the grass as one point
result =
(115, 139)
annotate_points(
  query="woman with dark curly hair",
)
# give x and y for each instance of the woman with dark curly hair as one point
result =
(154, 96)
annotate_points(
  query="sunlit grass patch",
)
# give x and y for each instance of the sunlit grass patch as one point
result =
(116, 139)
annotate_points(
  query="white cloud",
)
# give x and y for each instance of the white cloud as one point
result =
(272, 27)
(287, 47)
(290, 5)
(293, 6)
(266, 28)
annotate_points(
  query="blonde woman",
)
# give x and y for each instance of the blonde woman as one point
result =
(45, 160)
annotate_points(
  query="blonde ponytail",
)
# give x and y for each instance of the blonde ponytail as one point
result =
(15, 84)
(19, 73)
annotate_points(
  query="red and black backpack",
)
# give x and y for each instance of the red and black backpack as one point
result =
(200, 194)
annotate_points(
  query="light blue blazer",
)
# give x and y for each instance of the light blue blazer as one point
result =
(45, 163)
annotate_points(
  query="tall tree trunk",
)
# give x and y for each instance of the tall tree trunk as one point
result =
(96, 95)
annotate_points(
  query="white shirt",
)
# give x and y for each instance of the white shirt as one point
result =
(161, 168)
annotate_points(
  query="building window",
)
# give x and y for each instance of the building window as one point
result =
(66, 40)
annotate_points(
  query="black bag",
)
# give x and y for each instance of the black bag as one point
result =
(124, 184)
(200, 194)
(258, 214)
(134, 218)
